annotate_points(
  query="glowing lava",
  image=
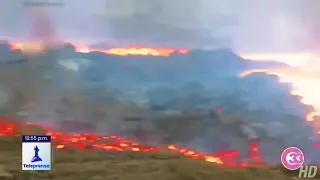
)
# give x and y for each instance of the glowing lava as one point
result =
(125, 51)
(305, 80)
(91, 141)
(304, 77)
(136, 50)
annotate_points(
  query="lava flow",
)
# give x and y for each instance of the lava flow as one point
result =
(302, 76)
(125, 51)
(91, 141)
(136, 50)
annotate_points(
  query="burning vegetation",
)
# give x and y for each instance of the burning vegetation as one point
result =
(189, 103)
(91, 156)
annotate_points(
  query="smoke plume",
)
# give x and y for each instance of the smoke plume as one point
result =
(246, 25)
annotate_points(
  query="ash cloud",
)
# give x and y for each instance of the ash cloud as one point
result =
(269, 26)
(157, 100)
(245, 25)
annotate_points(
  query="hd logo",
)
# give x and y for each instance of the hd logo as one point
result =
(36, 153)
(308, 171)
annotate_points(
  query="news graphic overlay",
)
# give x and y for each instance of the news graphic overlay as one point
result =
(292, 158)
(36, 152)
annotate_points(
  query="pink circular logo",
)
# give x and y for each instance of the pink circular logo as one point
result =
(292, 158)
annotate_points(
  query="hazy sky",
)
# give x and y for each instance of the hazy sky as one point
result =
(251, 25)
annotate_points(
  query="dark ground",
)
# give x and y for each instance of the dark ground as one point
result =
(102, 165)
(92, 165)
(43, 86)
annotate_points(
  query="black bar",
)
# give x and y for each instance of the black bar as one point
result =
(36, 138)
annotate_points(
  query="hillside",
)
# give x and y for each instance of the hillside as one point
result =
(158, 100)
(72, 163)
(196, 101)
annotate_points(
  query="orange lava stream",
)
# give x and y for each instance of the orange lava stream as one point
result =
(124, 51)
(305, 78)
(90, 141)
(138, 50)
(303, 75)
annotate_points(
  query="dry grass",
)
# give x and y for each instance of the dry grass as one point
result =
(98, 165)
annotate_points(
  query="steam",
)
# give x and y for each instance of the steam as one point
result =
(74, 64)
(246, 25)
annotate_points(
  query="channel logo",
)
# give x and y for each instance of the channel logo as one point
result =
(36, 153)
(292, 158)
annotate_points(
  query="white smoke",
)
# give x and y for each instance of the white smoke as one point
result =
(251, 25)
(75, 65)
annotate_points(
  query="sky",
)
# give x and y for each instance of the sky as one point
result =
(250, 25)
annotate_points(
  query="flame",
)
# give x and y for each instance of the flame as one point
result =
(140, 50)
(86, 141)
(38, 46)
(305, 80)
(303, 74)
(302, 77)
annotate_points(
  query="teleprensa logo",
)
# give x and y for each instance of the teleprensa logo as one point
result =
(36, 153)
(292, 158)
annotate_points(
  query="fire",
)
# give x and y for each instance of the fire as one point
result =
(305, 80)
(90, 141)
(125, 51)
(302, 77)
(303, 74)
(138, 50)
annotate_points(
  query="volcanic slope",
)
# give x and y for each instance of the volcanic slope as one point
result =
(101, 165)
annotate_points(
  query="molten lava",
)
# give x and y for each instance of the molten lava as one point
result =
(305, 79)
(305, 82)
(125, 51)
(90, 141)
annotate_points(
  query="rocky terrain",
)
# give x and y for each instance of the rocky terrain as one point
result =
(97, 165)
(195, 100)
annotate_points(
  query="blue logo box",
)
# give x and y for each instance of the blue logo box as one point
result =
(36, 152)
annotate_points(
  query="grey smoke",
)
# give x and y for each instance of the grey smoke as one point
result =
(246, 25)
